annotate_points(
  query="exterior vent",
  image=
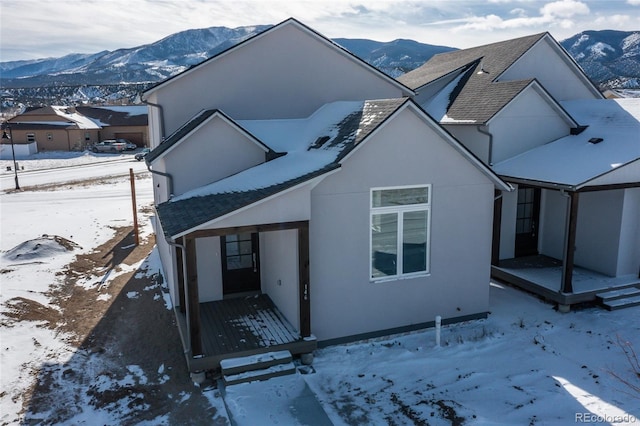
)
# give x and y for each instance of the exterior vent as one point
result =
(595, 140)
(319, 142)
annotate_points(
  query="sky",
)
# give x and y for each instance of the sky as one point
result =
(33, 29)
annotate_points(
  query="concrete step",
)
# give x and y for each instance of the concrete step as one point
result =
(625, 302)
(260, 374)
(617, 294)
(254, 362)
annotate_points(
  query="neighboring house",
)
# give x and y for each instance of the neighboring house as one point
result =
(120, 122)
(523, 106)
(303, 197)
(53, 128)
(61, 128)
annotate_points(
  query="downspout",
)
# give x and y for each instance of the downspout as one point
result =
(482, 129)
(187, 349)
(162, 135)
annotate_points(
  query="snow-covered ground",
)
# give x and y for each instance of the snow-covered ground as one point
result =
(525, 364)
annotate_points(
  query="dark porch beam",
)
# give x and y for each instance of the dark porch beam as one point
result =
(304, 281)
(246, 229)
(569, 243)
(193, 298)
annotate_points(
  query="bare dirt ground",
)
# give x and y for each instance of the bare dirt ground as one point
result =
(128, 361)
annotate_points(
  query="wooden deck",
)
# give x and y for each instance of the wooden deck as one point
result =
(242, 326)
(542, 275)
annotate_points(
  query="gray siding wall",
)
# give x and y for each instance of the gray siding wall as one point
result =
(212, 152)
(545, 64)
(629, 258)
(344, 302)
(279, 271)
(286, 73)
(527, 122)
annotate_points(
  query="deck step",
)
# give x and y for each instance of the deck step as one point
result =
(259, 375)
(625, 302)
(256, 367)
(618, 294)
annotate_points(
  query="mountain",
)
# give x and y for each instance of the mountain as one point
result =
(610, 58)
(175, 53)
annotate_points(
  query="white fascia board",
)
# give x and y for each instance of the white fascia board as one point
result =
(226, 119)
(498, 182)
(308, 30)
(539, 89)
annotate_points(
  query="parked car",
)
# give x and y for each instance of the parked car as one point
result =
(129, 146)
(109, 145)
(140, 155)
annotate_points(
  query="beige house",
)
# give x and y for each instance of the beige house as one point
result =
(61, 128)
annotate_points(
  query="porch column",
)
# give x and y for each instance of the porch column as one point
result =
(497, 224)
(193, 299)
(303, 280)
(569, 243)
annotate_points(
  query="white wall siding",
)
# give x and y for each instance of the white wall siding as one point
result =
(629, 251)
(527, 122)
(598, 231)
(212, 152)
(286, 73)
(543, 63)
(167, 259)
(469, 135)
(209, 269)
(553, 217)
(508, 224)
(279, 271)
(344, 302)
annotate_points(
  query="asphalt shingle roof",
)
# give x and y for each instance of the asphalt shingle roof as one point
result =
(478, 97)
(327, 149)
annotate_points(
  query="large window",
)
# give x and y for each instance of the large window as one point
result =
(400, 220)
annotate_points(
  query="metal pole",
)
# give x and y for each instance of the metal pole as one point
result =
(135, 210)
(13, 154)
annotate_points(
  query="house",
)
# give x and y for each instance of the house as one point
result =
(120, 122)
(62, 128)
(303, 198)
(52, 128)
(572, 229)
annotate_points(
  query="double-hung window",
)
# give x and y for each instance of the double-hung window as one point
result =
(400, 220)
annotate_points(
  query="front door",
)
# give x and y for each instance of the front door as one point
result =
(240, 263)
(527, 219)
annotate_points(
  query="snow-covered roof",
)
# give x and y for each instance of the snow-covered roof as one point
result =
(575, 160)
(71, 115)
(311, 147)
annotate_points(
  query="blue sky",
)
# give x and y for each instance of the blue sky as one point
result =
(31, 29)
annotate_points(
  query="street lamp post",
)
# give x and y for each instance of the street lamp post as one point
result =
(6, 137)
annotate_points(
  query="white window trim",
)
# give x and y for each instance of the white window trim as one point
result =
(401, 209)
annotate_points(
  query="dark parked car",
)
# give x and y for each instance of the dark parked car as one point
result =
(129, 146)
(140, 155)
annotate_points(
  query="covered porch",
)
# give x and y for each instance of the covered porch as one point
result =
(543, 275)
(244, 321)
(242, 326)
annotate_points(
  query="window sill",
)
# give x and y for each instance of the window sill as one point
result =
(399, 278)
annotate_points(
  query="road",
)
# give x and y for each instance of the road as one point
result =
(67, 174)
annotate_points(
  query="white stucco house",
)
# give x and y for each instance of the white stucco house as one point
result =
(304, 198)
(571, 231)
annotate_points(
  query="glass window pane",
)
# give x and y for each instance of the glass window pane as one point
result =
(239, 262)
(414, 242)
(399, 197)
(232, 248)
(384, 244)
(245, 247)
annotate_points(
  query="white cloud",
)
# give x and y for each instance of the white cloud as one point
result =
(634, 2)
(565, 9)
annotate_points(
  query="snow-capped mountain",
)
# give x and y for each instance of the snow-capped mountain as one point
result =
(610, 58)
